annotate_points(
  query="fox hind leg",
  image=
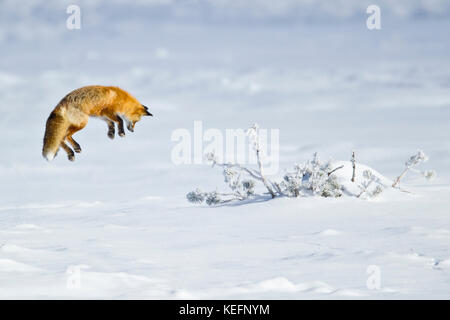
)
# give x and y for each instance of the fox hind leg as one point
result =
(71, 140)
(70, 153)
(75, 145)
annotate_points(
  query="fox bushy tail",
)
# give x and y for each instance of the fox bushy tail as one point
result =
(55, 132)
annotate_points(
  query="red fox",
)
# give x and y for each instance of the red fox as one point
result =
(112, 104)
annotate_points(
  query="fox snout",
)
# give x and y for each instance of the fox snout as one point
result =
(132, 122)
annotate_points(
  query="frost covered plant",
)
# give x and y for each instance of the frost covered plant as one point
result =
(240, 179)
(249, 187)
(241, 188)
(311, 178)
(314, 178)
(428, 174)
(196, 196)
(371, 186)
(253, 135)
(213, 198)
(412, 162)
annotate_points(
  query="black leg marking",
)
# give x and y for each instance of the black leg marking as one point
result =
(74, 144)
(120, 127)
(130, 126)
(77, 148)
(70, 153)
(111, 130)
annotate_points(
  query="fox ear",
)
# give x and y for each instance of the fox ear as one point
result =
(146, 111)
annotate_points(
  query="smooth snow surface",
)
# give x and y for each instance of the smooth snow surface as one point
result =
(116, 224)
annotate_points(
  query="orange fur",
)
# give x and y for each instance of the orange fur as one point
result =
(73, 111)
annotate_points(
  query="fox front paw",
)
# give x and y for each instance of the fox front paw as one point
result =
(111, 134)
(71, 157)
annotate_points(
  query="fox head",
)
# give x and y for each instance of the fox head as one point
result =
(136, 115)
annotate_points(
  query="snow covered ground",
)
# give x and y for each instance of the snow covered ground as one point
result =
(116, 223)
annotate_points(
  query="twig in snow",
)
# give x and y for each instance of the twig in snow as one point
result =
(254, 137)
(335, 169)
(365, 185)
(354, 166)
(413, 161)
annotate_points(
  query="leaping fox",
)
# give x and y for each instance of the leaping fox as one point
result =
(72, 113)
